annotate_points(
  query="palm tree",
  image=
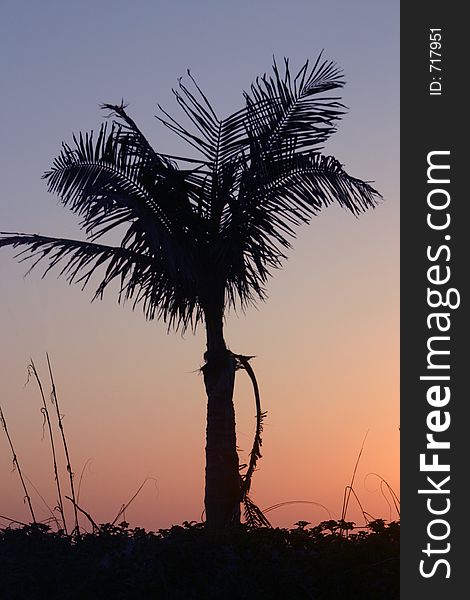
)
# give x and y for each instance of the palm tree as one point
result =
(203, 234)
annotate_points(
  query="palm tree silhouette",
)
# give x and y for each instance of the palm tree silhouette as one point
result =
(204, 238)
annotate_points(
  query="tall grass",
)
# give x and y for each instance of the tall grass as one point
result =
(16, 465)
(32, 371)
(55, 402)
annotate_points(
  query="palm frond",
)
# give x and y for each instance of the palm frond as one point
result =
(106, 179)
(288, 190)
(218, 140)
(254, 516)
(298, 186)
(139, 277)
(281, 107)
(242, 362)
(131, 136)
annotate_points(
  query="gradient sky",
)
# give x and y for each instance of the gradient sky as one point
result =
(327, 339)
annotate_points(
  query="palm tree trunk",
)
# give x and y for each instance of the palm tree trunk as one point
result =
(222, 492)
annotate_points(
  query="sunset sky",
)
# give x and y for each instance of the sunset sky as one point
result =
(327, 340)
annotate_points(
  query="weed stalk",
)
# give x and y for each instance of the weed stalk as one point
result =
(32, 369)
(17, 465)
(55, 402)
